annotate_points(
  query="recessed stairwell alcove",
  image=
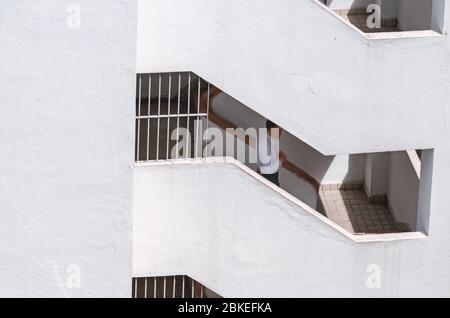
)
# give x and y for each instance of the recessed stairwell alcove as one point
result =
(180, 116)
(180, 286)
(381, 16)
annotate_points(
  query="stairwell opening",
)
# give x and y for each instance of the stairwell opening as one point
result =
(181, 116)
(378, 16)
(179, 286)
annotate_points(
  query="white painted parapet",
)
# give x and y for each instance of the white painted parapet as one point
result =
(224, 225)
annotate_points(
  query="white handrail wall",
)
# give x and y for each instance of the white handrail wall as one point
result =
(243, 237)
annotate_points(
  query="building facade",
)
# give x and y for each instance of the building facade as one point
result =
(129, 141)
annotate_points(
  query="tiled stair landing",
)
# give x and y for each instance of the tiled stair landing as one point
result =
(348, 206)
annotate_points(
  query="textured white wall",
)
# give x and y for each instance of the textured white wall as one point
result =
(66, 136)
(297, 64)
(366, 96)
(242, 239)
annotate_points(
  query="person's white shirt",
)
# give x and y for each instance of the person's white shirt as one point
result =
(269, 152)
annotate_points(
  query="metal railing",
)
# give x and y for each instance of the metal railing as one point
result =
(170, 287)
(164, 102)
(181, 102)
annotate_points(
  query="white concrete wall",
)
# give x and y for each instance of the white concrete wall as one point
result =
(414, 14)
(274, 56)
(367, 96)
(243, 239)
(376, 173)
(438, 15)
(403, 189)
(66, 136)
(427, 193)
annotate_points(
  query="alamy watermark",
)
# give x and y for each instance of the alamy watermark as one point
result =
(73, 20)
(69, 279)
(374, 19)
(244, 144)
(73, 279)
(373, 280)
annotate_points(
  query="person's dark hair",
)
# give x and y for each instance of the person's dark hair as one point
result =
(270, 124)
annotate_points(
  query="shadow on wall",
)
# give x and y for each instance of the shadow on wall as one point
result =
(408, 15)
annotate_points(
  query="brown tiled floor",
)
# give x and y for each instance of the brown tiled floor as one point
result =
(351, 210)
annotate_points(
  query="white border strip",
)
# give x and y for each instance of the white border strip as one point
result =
(358, 238)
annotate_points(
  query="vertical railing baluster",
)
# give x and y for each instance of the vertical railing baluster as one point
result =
(164, 287)
(168, 116)
(178, 112)
(148, 114)
(207, 120)
(159, 118)
(174, 286)
(183, 285)
(145, 288)
(139, 119)
(188, 113)
(197, 127)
